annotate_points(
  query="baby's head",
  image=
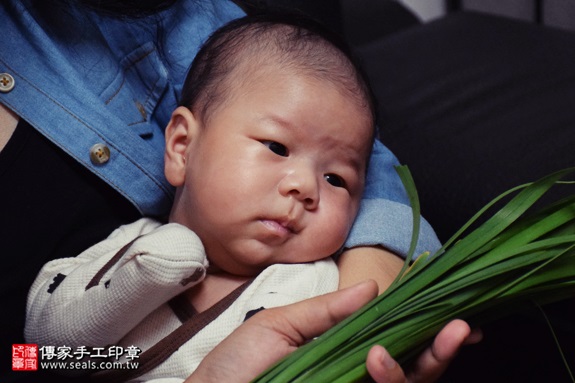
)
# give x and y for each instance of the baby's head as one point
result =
(269, 149)
(253, 45)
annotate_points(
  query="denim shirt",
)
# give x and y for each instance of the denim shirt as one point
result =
(84, 79)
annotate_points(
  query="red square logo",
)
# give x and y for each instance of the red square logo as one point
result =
(24, 357)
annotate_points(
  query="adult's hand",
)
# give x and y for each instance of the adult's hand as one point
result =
(431, 364)
(274, 333)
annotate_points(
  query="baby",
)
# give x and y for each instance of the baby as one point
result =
(268, 153)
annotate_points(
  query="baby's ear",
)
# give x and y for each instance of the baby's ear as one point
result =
(179, 133)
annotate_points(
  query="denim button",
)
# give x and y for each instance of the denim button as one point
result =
(6, 82)
(99, 154)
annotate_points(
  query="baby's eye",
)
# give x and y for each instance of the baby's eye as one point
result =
(277, 148)
(335, 180)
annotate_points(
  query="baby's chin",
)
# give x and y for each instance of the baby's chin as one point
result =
(238, 270)
(251, 260)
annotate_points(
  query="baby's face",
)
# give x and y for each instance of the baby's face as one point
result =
(277, 173)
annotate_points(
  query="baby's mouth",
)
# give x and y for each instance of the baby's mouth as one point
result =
(278, 226)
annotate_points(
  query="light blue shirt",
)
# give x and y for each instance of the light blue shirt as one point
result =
(84, 79)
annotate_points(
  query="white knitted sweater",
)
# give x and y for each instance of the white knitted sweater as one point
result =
(125, 302)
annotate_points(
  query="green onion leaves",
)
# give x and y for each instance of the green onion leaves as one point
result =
(512, 259)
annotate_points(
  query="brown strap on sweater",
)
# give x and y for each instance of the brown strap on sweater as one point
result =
(181, 306)
(162, 350)
(96, 279)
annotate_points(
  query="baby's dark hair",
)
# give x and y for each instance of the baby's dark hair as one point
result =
(293, 42)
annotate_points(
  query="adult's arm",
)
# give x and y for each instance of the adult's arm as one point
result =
(368, 262)
(385, 216)
(381, 234)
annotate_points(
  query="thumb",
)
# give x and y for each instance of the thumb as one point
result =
(307, 319)
(279, 331)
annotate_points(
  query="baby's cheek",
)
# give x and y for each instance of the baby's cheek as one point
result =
(337, 226)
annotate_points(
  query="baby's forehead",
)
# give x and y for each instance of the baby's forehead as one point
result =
(252, 75)
(311, 56)
(268, 64)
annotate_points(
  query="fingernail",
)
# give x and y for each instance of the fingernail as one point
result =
(387, 360)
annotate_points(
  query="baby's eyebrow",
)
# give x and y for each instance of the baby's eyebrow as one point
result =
(357, 163)
(349, 158)
(278, 121)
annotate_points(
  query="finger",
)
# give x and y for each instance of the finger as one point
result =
(476, 336)
(382, 367)
(279, 331)
(307, 319)
(436, 358)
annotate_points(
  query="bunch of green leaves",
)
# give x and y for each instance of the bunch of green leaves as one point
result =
(511, 259)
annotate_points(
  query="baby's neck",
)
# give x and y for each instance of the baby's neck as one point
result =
(212, 289)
